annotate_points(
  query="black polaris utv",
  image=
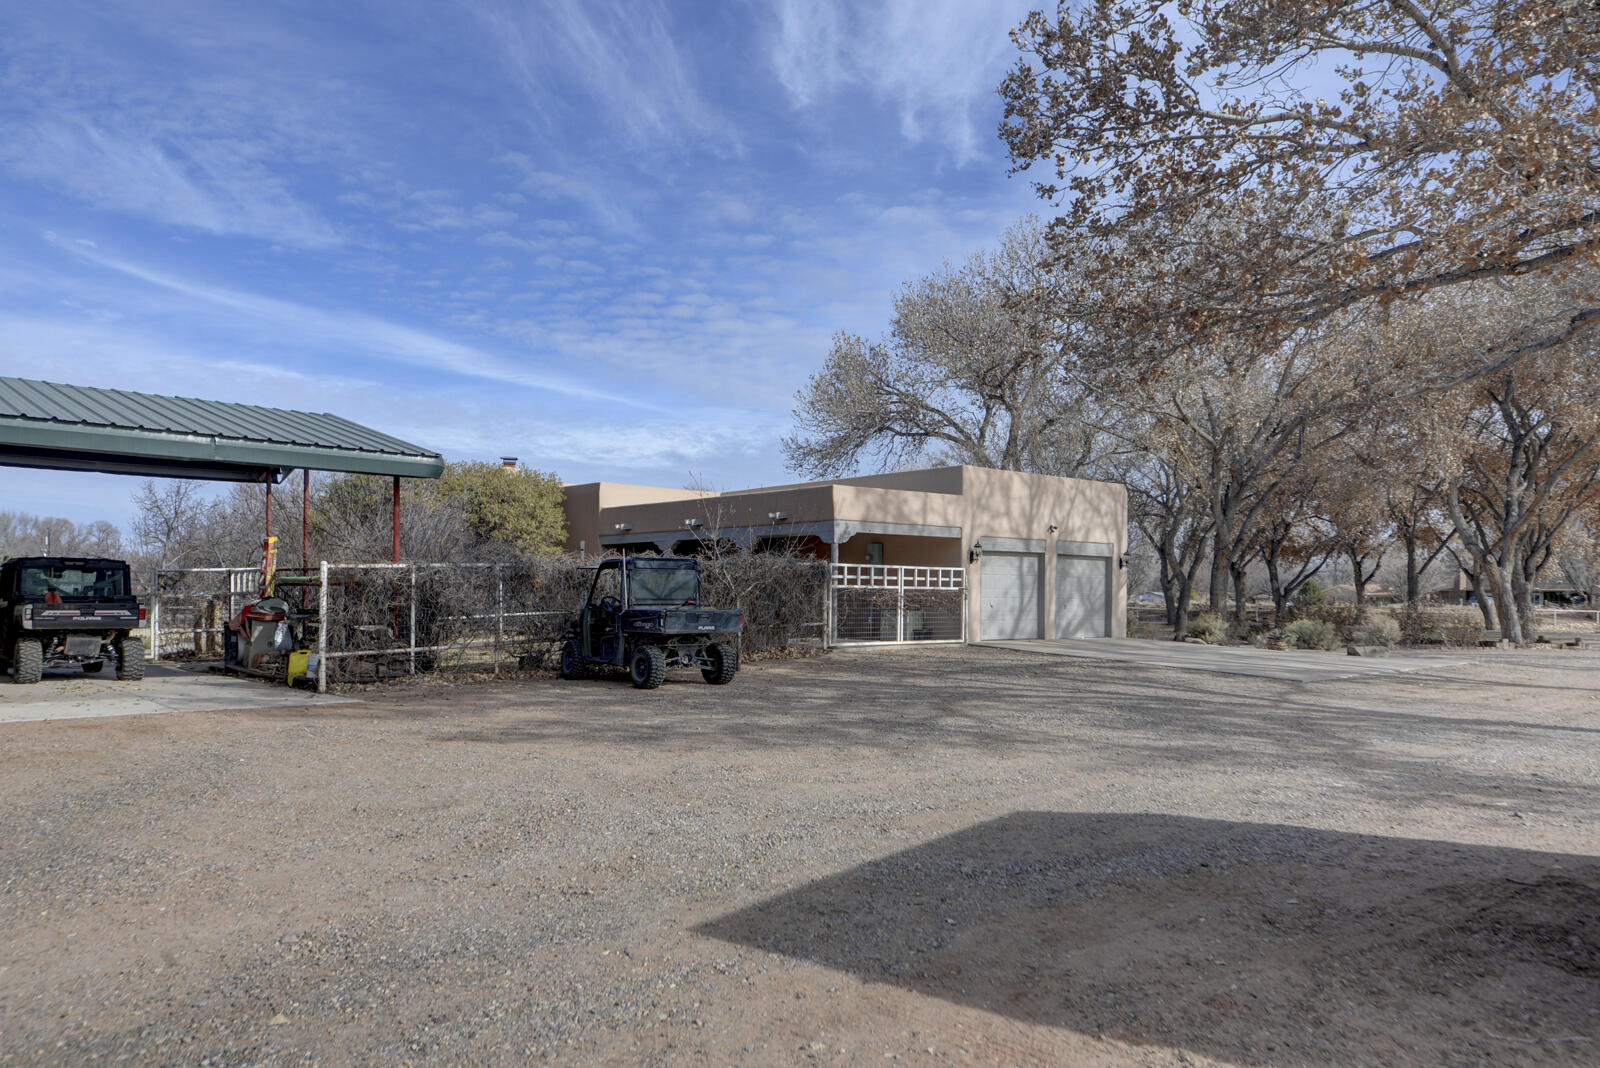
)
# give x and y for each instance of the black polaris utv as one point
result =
(643, 613)
(60, 611)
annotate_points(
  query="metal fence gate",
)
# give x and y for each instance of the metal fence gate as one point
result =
(190, 607)
(880, 603)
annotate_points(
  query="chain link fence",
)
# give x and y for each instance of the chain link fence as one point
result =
(386, 620)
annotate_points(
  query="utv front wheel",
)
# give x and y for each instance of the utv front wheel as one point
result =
(648, 668)
(572, 665)
(724, 662)
(28, 660)
(130, 660)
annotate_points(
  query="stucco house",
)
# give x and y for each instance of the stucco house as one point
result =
(1041, 556)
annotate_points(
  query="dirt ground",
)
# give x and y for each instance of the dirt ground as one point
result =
(921, 856)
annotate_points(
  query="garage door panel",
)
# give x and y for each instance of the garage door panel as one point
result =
(1010, 585)
(1081, 597)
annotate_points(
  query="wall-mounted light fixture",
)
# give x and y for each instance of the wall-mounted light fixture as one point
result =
(1122, 562)
(624, 526)
(975, 553)
(694, 522)
(777, 517)
(1053, 528)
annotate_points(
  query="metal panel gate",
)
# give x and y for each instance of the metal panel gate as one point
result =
(879, 603)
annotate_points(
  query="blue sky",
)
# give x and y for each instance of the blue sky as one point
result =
(609, 237)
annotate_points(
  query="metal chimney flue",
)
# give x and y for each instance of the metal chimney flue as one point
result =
(508, 462)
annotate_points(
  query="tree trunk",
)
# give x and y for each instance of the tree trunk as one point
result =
(1358, 578)
(1413, 578)
(1180, 621)
(1480, 595)
(1275, 583)
(1217, 589)
(1505, 600)
(1238, 594)
(1522, 601)
(1169, 581)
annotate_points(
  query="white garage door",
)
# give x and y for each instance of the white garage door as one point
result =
(1009, 587)
(1081, 596)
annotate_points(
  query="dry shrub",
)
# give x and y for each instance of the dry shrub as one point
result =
(1343, 618)
(1208, 627)
(1460, 626)
(1378, 630)
(1311, 634)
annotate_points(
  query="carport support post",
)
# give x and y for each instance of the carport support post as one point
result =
(499, 615)
(304, 525)
(413, 642)
(322, 631)
(397, 520)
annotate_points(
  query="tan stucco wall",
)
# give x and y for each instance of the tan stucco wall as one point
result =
(584, 501)
(980, 502)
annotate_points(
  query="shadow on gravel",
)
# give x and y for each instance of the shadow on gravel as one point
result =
(1250, 943)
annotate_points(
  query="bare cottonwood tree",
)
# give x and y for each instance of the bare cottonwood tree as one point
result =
(23, 534)
(1460, 144)
(970, 372)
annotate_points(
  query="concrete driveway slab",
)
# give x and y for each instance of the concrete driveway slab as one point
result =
(73, 695)
(1290, 665)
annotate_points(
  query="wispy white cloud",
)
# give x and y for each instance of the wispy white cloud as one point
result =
(356, 333)
(619, 53)
(937, 62)
(204, 186)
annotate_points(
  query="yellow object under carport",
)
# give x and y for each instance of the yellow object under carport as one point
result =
(299, 664)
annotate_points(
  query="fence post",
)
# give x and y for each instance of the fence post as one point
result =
(155, 616)
(827, 609)
(900, 609)
(499, 614)
(322, 631)
(964, 603)
(413, 642)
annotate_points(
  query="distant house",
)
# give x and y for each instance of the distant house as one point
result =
(1041, 556)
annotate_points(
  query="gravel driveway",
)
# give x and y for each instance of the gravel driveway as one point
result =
(910, 856)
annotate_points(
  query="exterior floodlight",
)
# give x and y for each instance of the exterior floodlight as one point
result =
(624, 526)
(777, 517)
(693, 522)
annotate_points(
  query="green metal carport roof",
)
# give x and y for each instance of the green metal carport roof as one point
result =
(84, 428)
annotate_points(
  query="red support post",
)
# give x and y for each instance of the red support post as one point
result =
(397, 519)
(305, 521)
(269, 506)
(305, 535)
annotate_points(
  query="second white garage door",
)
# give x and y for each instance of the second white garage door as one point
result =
(1010, 586)
(1081, 596)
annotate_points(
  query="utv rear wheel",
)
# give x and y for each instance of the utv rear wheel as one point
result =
(724, 662)
(130, 659)
(93, 666)
(28, 660)
(648, 668)
(572, 665)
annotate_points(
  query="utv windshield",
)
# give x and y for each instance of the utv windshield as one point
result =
(72, 583)
(664, 586)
